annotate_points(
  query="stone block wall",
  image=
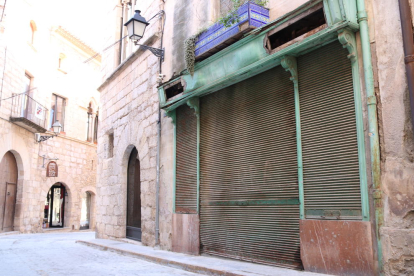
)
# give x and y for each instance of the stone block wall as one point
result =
(77, 160)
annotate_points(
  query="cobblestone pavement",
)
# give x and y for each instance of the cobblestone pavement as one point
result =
(58, 254)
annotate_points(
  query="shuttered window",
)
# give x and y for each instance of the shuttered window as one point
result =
(249, 184)
(329, 135)
(186, 160)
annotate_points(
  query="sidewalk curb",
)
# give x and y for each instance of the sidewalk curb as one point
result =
(180, 265)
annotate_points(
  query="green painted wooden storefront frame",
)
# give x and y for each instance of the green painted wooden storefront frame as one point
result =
(248, 58)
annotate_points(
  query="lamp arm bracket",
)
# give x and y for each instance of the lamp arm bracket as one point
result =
(156, 51)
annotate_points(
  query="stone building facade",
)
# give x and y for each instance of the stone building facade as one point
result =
(132, 91)
(44, 79)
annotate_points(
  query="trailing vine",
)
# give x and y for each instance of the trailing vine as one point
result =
(189, 53)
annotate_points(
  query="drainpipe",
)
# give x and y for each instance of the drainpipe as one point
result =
(372, 123)
(407, 34)
(121, 44)
(157, 193)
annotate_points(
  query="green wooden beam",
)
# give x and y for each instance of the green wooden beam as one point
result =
(290, 65)
(173, 116)
(347, 39)
(194, 103)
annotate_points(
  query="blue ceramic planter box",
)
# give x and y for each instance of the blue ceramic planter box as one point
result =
(218, 37)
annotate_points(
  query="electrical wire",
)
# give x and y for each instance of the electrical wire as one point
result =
(2, 14)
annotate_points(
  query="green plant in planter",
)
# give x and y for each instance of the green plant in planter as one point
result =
(232, 16)
(228, 20)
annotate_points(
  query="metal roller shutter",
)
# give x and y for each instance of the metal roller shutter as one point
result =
(329, 138)
(249, 183)
(186, 161)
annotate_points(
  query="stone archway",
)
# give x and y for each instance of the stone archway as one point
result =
(8, 191)
(55, 214)
(88, 205)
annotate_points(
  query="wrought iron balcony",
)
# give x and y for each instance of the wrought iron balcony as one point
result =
(29, 113)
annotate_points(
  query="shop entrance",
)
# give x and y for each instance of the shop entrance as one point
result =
(133, 227)
(54, 211)
(8, 191)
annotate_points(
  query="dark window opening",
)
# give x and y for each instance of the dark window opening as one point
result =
(302, 26)
(110, 145)
(57, 112)
(174, 90)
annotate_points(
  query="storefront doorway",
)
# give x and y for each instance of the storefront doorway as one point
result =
(133, 227)
(8, 191)
(54, 211)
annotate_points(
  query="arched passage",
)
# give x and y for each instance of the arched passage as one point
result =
(54, 210)
(133, 229)
(87, 208)
(8, 191)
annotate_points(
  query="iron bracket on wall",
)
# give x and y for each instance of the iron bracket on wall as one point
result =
(156, 51)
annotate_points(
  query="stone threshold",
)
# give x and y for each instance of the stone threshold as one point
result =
(54, 230)
(198, 264)
(9, 233)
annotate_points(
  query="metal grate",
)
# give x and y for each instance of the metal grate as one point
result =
(329, 139)
(249, 185)
(186, 161)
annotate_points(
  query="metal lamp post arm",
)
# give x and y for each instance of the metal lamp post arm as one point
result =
(156, 51)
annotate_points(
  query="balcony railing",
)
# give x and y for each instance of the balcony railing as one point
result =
(29, 113)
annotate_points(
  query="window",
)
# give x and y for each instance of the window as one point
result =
(110, 146)
(95, 129)
(89, 128)
(24, 100)
(57, 112)
(61, 63)
(33, 27)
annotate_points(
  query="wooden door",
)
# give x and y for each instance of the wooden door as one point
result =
(9, 207)
(133, 229)
(8, 191)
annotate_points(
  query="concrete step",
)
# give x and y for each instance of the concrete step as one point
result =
(198, 264)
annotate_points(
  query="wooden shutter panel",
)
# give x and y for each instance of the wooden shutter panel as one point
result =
(186, 160)
(248, 167)
(329, 139)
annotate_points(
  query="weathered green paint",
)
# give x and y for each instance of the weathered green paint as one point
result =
(315, 41)
(290, 64)
(290, 201)
(172, 115)
(340, 214)
(194, 103)
(348, 40)
(372, 124)
(248, 56)
(340, 10)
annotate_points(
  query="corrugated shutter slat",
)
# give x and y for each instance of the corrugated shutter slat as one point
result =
(248, 156)
(186, 160)
(329, 140)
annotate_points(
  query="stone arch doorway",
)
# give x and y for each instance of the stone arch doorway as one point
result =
(8, 191)
(133, 226)
(55, 203)
(87, 210)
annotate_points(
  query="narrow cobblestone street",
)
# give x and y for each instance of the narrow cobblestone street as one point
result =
(58, 254)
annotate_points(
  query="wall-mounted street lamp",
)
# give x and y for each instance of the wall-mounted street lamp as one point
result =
(57, 127)
(136, 28)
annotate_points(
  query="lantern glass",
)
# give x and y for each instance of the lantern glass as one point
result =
(139, 29)
(136, 26)
(57, 127)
